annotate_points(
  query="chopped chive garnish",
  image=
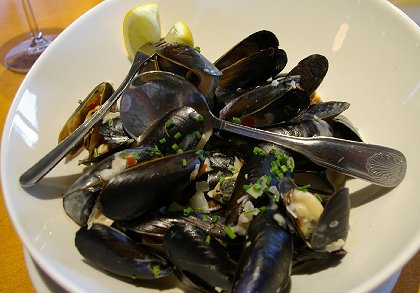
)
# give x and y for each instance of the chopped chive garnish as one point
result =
(214, 218)
(177, 135)
(199, 152)
(184, 162)
(200, 117)
(169, 123)
(135, 155)
(162, 141)
(245, 187)
(258, 151)
(199, 210)
(304, 187)
(236, 120)
(229, 232)
(179, 151)
(188, 211)
(263, 209)
(95, 153)
(175, 147)
(198, 49)
(110, 121)
(222, 180)
(197, 134)
(256, 186)
(318, 197)
(204, 218)
(208, 237)
(251, 212)
(156, 270)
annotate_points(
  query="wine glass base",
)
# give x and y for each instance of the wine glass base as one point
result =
(21, 57)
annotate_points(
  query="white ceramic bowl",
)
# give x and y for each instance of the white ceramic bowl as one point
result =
(374, 55)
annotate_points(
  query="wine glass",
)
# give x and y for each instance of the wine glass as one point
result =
(21, 57)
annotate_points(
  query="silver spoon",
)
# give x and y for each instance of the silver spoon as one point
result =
(44, 165)
(152, 94)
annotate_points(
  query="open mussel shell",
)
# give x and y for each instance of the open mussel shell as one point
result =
(189, 63)
(250, 45)
(249, 72)
(113, 252)
(95, 98)
(312, 71)
(268, 105)
(323, 227)
(266, 261)
(332, 228)
(199, 256)
(144, 187)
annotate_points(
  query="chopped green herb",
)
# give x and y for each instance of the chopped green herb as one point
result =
(256, 186)
(96, 152)
(229, 232)
(204, 218)
(188, 211)
(245, 187)
(214, 218)
(162, 140)
(199, 210)
(200, 117)
(169, 123)
(304, 187)
(251, 212)
(208, 238)
(318, 197)
(263, 209)
(156, 270)
(175, 147)
(179, 151)
(184, 162)
(110, 121)
(198, 49)
(197, 134)
(236, 120)
(222, 180)
(177, 135)
(136, 156)
(258, 151)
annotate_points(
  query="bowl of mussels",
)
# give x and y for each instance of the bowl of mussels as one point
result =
(276, 154)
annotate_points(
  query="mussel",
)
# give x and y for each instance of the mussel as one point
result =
(113, 252)
(200, 257)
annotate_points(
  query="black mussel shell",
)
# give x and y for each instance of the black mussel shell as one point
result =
(266, 261)
(312, 71)
(110, 250)
(203, 258)
(250, 45)
(140, 189)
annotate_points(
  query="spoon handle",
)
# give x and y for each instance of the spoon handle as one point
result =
(374, 163)
(50, 160)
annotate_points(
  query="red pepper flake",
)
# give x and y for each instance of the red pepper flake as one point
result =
(131, 160)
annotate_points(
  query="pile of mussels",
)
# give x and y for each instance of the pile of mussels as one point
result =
(220, 211)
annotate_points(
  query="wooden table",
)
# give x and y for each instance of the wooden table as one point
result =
(59, 14)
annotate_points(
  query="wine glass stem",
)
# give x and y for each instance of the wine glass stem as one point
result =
(30, 17)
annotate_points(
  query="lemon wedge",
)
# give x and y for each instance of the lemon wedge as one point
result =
(180, 33)
(141, 25)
